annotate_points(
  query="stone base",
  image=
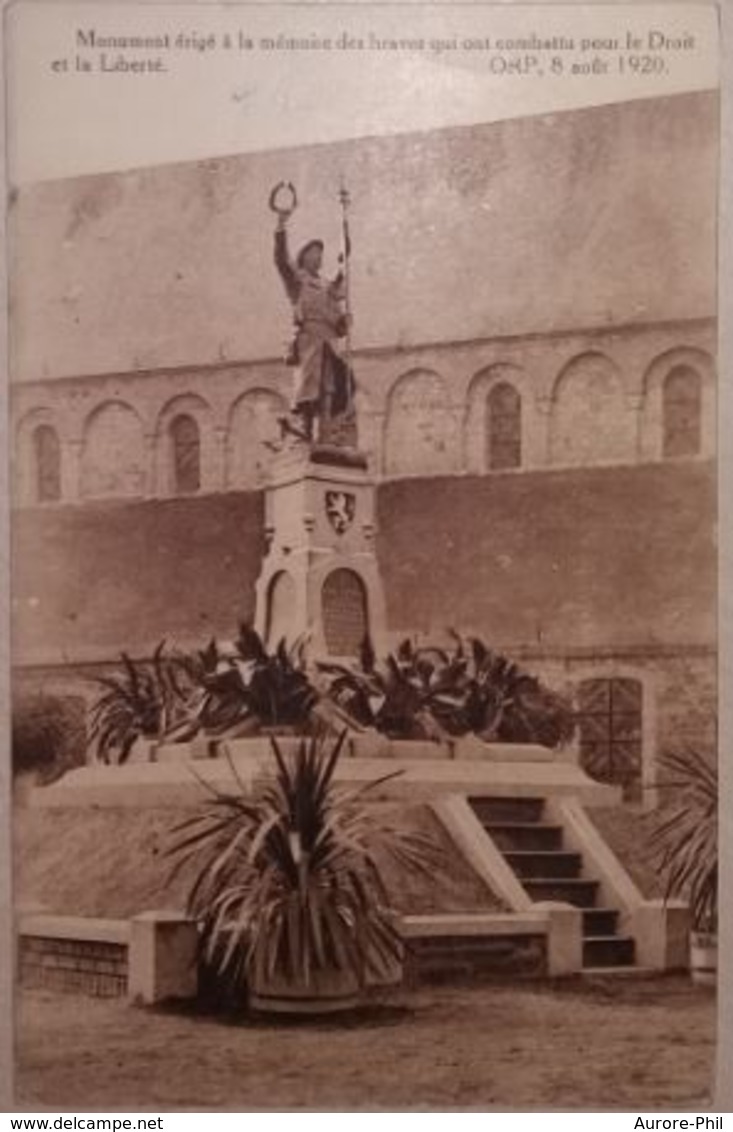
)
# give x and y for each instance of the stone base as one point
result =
(176, 782)
(320, 577)
(338, 456)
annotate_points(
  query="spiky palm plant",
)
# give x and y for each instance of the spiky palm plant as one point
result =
(247, 687)
(409, 695)
(685, 834)
(428, 692)
(145, 700)
(287, 881)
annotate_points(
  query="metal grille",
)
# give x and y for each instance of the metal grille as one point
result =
(610, 724)
(345, 620)
(504, 432)
(681, 410)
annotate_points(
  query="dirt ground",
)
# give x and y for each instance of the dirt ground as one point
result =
(631, 1044)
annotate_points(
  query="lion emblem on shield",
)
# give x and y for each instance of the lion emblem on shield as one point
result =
(340, 510)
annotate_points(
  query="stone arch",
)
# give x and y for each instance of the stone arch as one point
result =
(694, 422)
(191, 407)
(589, 414)
(38, 458)
(485, 431)
(345, 612)
(419, 433)
(252, 427)
(113, 458)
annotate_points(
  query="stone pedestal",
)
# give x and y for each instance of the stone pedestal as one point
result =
(162, 960)
(320, 576)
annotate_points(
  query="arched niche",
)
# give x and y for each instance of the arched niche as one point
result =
(678, 413)
(38, 458)
(253, 428)
(590, 420)
(184, 446)
(345, 612)
(113, 460)
(185, 442)
(493, 425)
(280, 615)
(419, 437)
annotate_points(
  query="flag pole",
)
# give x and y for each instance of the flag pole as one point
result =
(345, 200)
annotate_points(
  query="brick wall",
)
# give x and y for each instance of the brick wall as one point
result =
(94, 580)
(603, 558)
(96, 967)
(594, 558)
(435, 958)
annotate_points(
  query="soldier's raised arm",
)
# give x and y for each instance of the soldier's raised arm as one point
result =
(284, 263)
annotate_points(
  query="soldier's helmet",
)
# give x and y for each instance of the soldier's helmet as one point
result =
(306, 248)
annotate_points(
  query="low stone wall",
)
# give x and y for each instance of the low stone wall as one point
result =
(152, 957)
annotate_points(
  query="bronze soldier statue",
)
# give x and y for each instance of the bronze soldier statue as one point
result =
(323, 383)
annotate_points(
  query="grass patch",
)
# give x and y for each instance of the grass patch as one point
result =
(110, 862)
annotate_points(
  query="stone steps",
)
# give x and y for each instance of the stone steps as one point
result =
(524, 836)
(608, 951)
(569, 890)
(533, 849)
(599, 922)
(532, 863)
(503, 808)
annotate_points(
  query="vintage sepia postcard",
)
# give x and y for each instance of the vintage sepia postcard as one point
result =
(364, 576)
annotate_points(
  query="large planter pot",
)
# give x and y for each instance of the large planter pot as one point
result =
(327, 992)
(704, 958)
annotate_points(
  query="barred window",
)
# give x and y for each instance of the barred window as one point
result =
(47, 454)
(504, 427)
(681, 411)
(186, 455)
(610, 726)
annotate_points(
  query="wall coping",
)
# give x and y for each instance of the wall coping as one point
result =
(87, 929)
(463, 924)
(392, 350)
(96, 655)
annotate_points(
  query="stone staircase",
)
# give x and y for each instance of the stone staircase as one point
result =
(533, 849)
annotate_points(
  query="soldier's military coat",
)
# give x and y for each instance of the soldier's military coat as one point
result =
(322, 379)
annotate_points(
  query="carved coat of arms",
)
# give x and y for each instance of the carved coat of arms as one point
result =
(340, 510)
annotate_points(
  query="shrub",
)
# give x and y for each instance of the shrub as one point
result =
(685, 835)
(144, 700)
(48, 733)
(247, 688)
(431, 693)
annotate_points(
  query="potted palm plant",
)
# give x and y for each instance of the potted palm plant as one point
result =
(288, 884)
(685, 839)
